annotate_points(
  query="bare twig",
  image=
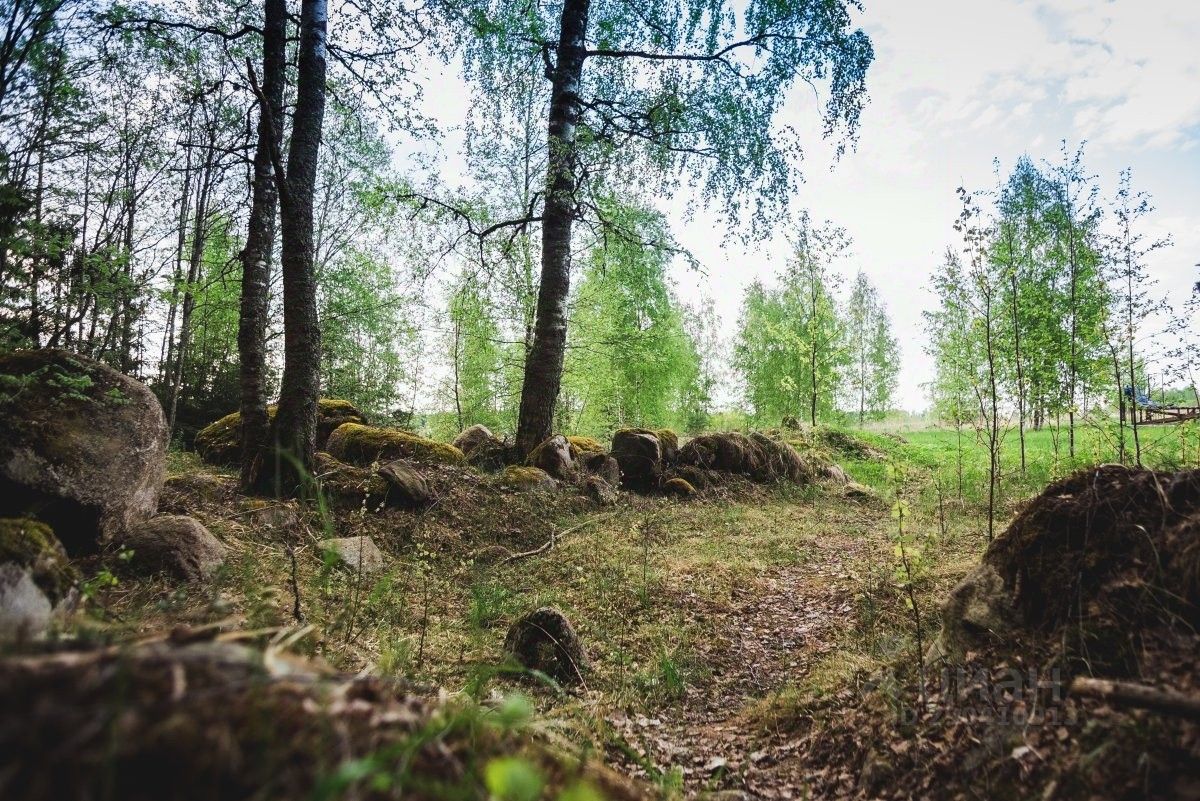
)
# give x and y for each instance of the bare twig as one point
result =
(1128, 693)
(550, 543)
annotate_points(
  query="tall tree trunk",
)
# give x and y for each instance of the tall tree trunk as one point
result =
(994, 427)
(256, 256)
(1016, 319)
(295, 427)
(544, 364)
(1133, 403)
(1116, 360)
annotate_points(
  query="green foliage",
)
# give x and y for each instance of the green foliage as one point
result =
(790, 349)
(513, 779)
(873, 355)
(630, 361)
(704, 123)
(476, 361)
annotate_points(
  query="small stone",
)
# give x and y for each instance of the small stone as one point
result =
(602, 466)
(406, 487)
(599, 491)
(174, 544)
(836, 474)
(360, 554)
(545, 641)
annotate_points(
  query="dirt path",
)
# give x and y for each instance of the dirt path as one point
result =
(770, 637)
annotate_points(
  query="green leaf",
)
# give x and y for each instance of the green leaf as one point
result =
(512, 779)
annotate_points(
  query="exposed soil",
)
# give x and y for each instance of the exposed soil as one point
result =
(770, 637)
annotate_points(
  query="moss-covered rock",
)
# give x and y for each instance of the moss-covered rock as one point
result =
(82, 447)
(220, 443)
(32, 545)
(526, 478)
(363, 445)
(757, 456)
(678, 488)
(350, 486)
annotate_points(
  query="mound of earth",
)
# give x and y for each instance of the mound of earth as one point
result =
(218, 720)
(1095, 579)
(756, 456)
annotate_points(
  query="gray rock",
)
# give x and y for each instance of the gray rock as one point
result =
(639, 454)
(25, 611)
(174, 544)
(360, 554)
(472, 437)
(554, 456)
(82, 446)
(36, 580)
(407, 488)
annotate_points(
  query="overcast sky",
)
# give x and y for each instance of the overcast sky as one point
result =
(956, 84)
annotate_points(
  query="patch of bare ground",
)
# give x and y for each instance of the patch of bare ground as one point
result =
(773, 631)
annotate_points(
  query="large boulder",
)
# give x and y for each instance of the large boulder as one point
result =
(554, 456)
(668, 441)
(640, 456)
(544, 640)
(364, 445)
(82, 447)
(177, 545)
(36, 580)
(220, 443)
(473, 437)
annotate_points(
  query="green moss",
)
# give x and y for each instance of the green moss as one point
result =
(220, 443)
(360, 444)
(524, 477)
(586, 444)
(668, 438)
(32, 544)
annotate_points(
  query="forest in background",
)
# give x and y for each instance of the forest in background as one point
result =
(128, 200)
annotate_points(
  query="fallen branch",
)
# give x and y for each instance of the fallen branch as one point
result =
(550, 543)
(1172, 702)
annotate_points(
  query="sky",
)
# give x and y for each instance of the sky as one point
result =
(956, 85)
